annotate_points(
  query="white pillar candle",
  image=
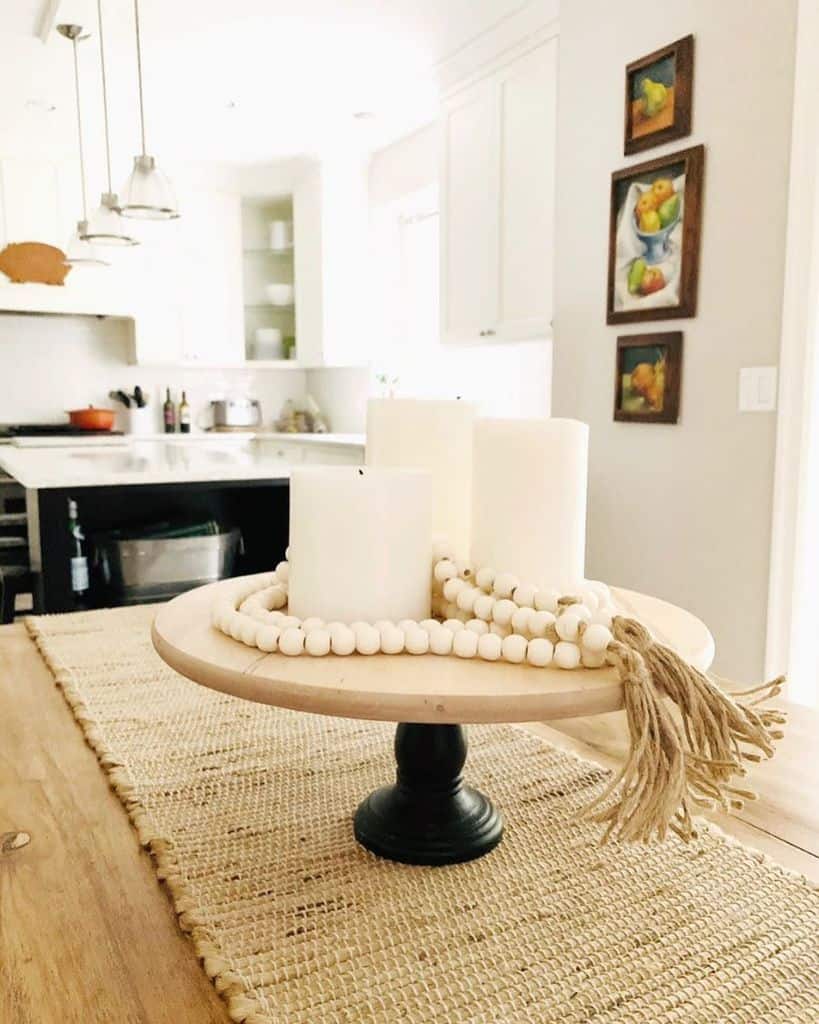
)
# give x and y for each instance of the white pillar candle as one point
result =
(529, 499)
(360, 543)
(435, 436)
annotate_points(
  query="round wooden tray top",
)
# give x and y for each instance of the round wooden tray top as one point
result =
(407, 688)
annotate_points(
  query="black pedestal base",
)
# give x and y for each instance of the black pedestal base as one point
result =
(429, 816)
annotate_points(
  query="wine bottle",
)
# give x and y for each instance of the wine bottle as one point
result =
(169, 413)
(78, 557)
(184, 415)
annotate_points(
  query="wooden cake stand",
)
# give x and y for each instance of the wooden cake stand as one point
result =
(429, 816)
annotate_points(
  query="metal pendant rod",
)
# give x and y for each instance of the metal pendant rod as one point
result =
(139, 78)
(104, 97)
(79, 127)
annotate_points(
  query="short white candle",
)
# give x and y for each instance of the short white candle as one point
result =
(360, 543)
(435, 436)
(529, 499)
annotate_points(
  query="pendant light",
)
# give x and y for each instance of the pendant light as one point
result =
(105, 226)
(147, 194)
(80, 253)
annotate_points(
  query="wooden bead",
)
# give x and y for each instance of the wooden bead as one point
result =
(429, 625)
(546, 600)
(392, 639)
(478, 626)
(235, 625)
(288, 622)
(581, 611)
(359, 624)
(317, 642)
(276, 598)
(440, 641)
(407, 624)
(465, 644)
(524, 595)
(590, 599)
(291, 641)
(521, 620)
(453, 625)
(249, 631)
(567, 625)
(514, 648)
(490, 647)
(498, 630)
(444, 570)
(466, 598)
(282, 572)
(381, 624)
(504, 584)
(312, 623)
(503, 611)
(596, 638)
(592, 660)
(416, 641)
(342, 639)
(539, 622)
(566, 655)
(267, 639)
(465, 571)
(453, 587)
(482, 609)
(367, 640)
(485, 578)
(539, 652)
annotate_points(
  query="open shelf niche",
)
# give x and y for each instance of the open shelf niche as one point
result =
(263, 265)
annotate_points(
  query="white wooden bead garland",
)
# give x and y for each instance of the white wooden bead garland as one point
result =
(671, 773)
(480, 614)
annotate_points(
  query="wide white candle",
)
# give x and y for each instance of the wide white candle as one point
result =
(435, 435)
(529, 499)
(360, 543)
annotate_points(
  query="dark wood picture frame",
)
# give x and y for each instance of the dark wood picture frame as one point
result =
(694, 165)
(683, 52)
(671, 341)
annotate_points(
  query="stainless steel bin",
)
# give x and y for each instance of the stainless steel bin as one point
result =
(149, 569)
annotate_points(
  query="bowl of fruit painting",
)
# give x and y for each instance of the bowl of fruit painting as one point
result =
(658, 96)
(654, 238)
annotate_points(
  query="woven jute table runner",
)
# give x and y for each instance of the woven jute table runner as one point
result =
(247, 811)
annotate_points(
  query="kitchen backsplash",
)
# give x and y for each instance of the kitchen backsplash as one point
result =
(49, 364)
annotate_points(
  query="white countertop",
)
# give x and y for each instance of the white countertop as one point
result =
(237, 436)
(149, 461)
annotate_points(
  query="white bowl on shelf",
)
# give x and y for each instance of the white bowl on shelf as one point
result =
(267, 344)
(280, 294)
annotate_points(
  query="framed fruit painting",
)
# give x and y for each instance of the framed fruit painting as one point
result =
(647, 378)
(658, 96)
(654, 238)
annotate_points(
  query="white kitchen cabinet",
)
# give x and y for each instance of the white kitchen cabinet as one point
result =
(498, 141)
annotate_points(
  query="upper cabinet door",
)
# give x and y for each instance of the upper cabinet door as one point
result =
(497, 202)
(469, 208)
(528, 116)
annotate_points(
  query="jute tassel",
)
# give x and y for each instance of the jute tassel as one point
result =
(689, 740)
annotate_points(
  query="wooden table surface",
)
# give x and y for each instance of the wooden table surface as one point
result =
(87, 934)
(406, 688)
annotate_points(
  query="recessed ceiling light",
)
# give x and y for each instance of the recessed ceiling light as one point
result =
(363, 115)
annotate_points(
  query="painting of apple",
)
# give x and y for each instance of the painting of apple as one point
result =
(654, 238)
(647, 378)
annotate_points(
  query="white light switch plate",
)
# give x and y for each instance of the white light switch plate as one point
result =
(757, 389)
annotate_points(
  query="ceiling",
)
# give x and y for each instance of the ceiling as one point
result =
(239, 82)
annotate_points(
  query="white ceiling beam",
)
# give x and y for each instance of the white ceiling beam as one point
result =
(46, 19)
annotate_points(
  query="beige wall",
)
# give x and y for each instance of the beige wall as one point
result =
(681, 511)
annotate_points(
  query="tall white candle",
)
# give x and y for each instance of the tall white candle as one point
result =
(435, 435)
(529, 499)
(360, 543)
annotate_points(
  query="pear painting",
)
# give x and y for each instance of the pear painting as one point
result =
(658, 96)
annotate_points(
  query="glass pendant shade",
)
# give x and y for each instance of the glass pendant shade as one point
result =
(82, 253)
(148, 193)
(105, 225)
